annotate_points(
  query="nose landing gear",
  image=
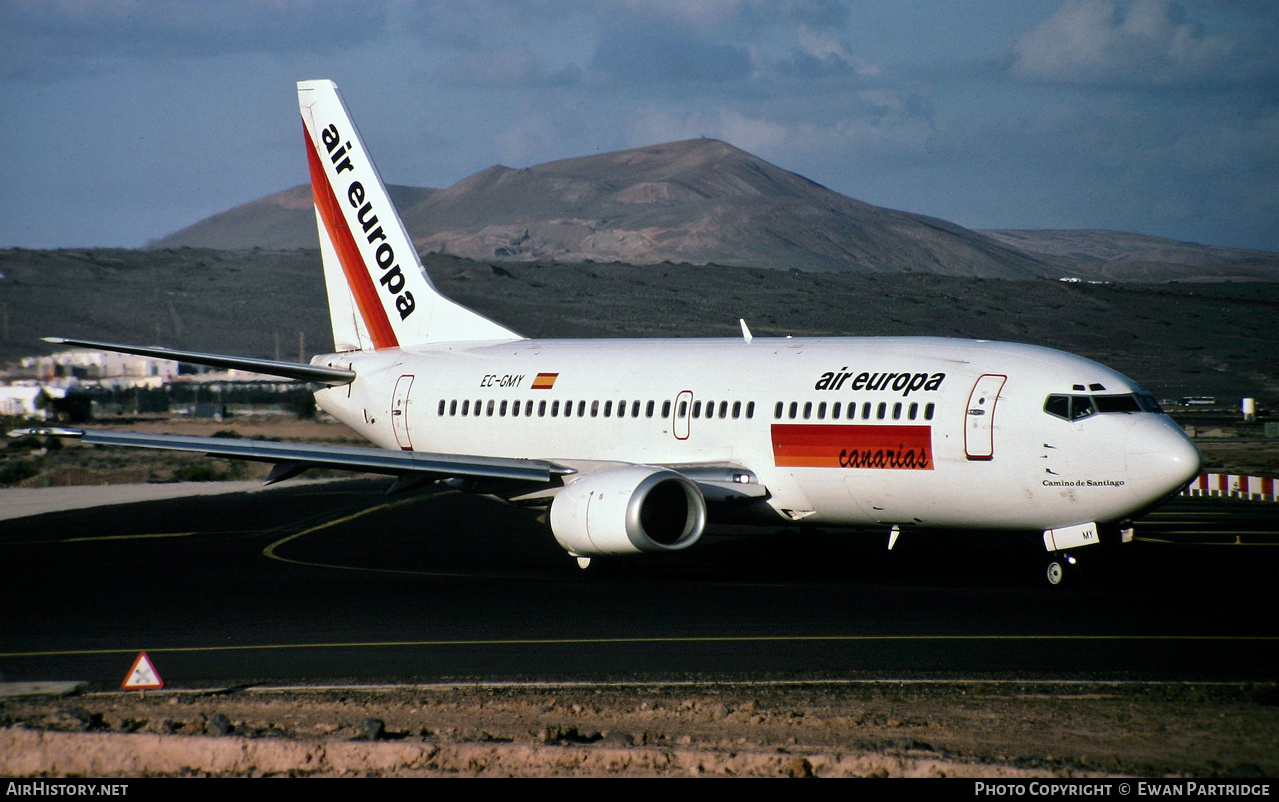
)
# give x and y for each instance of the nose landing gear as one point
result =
(1059, 567)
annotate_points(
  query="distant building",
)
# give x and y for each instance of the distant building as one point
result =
(102, 367)
(23, 401)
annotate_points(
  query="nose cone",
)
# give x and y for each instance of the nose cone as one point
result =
(1161, 459)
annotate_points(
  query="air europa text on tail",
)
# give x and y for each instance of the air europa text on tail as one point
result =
(392, 279)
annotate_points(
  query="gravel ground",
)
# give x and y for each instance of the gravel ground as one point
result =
(861, 729)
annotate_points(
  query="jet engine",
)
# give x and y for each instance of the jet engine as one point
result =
(628, 511)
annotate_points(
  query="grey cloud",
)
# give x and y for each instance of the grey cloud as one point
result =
(51, 40)
(1145, 42)
(639, 57)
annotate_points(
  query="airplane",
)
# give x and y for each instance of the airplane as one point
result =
(636, 445)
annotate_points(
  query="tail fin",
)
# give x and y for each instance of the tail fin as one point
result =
(379, 294)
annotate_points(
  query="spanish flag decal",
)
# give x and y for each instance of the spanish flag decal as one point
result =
(545, 381)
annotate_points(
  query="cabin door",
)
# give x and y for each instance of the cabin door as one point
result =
(979, 417)
(400, 412)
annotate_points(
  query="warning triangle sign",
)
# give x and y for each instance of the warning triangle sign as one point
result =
(143, 676)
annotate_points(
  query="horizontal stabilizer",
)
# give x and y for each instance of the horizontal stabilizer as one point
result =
(297, 371)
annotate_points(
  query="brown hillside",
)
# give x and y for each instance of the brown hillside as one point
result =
(280, 222)
(696, 201)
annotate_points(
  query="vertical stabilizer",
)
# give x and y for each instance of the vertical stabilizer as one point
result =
(379, 294)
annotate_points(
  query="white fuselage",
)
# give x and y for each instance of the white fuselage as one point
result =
(916, 431)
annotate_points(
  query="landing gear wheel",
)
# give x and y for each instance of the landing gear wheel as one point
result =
(1056, 571)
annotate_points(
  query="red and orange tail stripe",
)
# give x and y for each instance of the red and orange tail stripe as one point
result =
(358, 277)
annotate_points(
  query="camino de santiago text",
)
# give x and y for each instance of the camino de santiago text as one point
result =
(392, 279)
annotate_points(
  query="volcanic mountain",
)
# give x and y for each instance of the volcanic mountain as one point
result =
(703, 201)
(698, 201)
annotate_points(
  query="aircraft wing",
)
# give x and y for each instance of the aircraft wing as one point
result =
(293, 458)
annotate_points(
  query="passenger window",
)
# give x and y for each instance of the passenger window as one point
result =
(683, 409)
(568, 409)
(466, 407)
(555, 409)
(453, 408)
(635, 405)
(794, 410)
(528, 408)
(621, 409)
(882, 411)
(666, 410)
(821, 411)
(697, 409)
(928, 411)
(897, 411)
(808, 410)
(866, 411)
(914, 411)
(723, 409)
(750, 409)
(777, 411)
(581, 409)
(608, 408)
(502, 409)
(541, 409)
(834, 411)
(737, 409)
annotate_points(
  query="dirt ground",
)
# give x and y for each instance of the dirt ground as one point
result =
(867, 729)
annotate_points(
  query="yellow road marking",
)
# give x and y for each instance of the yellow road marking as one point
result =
(657, 640)
(128, 537)
(270, 551)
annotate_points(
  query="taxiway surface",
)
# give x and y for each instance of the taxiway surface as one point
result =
(335, 581)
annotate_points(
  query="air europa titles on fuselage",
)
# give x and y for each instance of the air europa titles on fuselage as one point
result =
(904, 383)
(392, 279)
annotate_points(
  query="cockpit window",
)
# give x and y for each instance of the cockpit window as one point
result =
(1076, 407)
(1147, 402)
(1116, 403)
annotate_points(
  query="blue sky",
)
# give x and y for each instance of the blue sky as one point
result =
(126, 120)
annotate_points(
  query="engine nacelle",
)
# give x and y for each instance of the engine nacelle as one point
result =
(628, 511)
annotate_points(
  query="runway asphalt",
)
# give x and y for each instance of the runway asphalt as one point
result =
(337, 581)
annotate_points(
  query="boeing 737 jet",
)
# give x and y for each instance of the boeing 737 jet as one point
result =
(635, 445)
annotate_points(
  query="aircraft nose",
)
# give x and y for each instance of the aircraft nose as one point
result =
(1160, 458)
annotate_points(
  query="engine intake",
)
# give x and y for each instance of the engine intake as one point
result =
(628, 511)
